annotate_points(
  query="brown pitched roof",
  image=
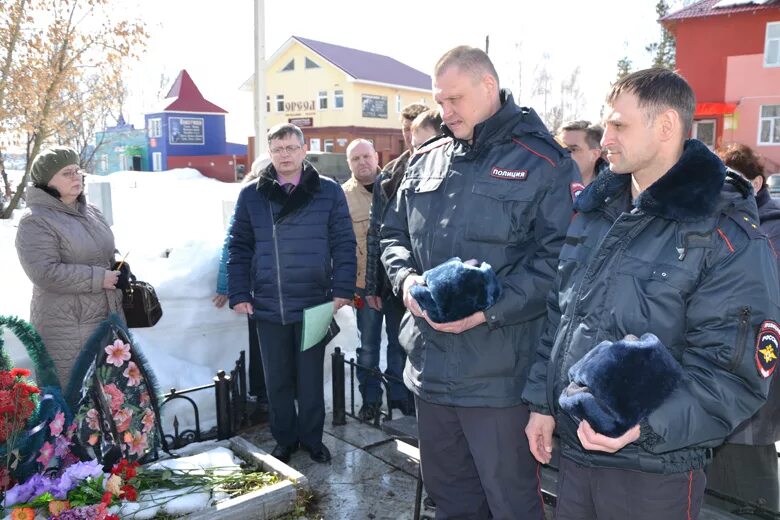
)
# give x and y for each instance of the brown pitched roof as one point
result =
(188, 97)
(711, 8)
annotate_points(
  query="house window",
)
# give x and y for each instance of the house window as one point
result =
(323, 98)
(289, 66)
(338, 99)
(772, 45)
(280, 102)
(328, 145)
(769, 125)
(704, 131)
(310, 64)
(104, 163)
(123, 163)
(157, 161)
(398, 103)
(155, 127)
(314, 144)
(267, 104)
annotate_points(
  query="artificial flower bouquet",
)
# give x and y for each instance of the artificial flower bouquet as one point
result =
(84, 491)
(62, 466)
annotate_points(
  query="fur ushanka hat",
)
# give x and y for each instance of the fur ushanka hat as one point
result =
(456, 289)
(617, 384)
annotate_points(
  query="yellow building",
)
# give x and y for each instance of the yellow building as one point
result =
(337, 94)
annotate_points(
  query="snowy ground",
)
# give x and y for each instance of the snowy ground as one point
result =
(183, 215)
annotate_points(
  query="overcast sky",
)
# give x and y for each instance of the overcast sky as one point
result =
(214, 41)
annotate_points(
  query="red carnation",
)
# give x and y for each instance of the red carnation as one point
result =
(129, 493)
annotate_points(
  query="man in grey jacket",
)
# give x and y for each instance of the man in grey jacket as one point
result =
(495, 187)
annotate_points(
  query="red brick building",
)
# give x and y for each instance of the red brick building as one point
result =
(729, 51)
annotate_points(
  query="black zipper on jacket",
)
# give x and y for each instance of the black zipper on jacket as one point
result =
(742, 335)
(278, 265)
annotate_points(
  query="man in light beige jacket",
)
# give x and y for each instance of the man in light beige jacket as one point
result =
(364, 165)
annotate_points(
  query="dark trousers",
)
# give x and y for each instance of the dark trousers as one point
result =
(746, 472)
(586, 493)
(476, 463)
(291, 374)
(256, 372)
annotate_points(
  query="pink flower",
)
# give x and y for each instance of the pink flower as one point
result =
(93, 439)
(57, 424)
(47, 452)
(138, 444)
(122, 419)
(118, 353)
(116, 397)
(61, 446)
(133, 374)
(145, 399)
(148, 420)
(93, 419)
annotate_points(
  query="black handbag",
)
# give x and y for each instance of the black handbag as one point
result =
(141, 305)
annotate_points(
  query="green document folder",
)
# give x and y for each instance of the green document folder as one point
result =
(316, 321)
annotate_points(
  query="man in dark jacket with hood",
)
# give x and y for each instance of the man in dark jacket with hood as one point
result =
(291, 247)
(662, 247)
(495, 188)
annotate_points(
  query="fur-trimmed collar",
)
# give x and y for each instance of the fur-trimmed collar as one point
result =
(268, 185)
(688, 191)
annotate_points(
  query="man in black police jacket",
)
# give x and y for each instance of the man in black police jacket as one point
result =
(497, 188)
(662, 244)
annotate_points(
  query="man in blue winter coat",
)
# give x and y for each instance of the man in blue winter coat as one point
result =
(665, 246)
(291, 247)
(494, 187)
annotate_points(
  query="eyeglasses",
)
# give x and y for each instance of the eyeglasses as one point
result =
(285, 149)
(72, 173)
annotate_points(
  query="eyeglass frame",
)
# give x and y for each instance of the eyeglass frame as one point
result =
(71, 174)
(289, 149)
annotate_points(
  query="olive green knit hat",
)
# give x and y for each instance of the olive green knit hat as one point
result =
(47, 163)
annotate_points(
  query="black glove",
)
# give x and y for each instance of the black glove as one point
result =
(124, 275)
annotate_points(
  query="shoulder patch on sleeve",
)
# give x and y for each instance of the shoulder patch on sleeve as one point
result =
(767, 347)
(748, 224)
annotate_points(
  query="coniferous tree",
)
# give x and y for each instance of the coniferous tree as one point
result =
(663, 51)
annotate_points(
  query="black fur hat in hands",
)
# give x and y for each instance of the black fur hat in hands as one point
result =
(455, 289)
(617, 384)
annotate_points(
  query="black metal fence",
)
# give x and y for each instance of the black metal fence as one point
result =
(230, 402)
(338, 384)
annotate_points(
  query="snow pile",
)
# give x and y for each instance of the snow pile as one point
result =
(187, 500)
(172, 224)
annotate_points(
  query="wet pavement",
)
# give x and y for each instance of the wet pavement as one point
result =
(367, 478)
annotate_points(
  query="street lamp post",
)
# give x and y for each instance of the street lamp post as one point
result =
(259, 88)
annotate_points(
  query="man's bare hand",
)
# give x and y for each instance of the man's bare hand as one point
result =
(244, 308)
(593, 441)
(409, 301)
(375, 302)
(219, 300)
(456, 327)
(539, 432)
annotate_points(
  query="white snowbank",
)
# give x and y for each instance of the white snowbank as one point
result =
(173, 224)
